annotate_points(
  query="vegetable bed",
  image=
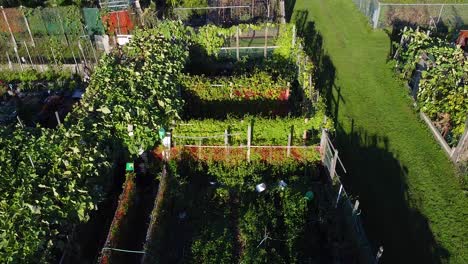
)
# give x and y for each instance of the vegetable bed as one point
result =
(212, 213)
(266, 131)
(257, 93)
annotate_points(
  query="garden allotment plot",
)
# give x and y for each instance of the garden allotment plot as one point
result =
(222, 213)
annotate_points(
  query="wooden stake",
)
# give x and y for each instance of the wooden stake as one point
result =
(226, 137)
(294, 35)
(58, 118)
(199, 148)
(10, 65)
(237, 43)
(30, 160)
(249, 141)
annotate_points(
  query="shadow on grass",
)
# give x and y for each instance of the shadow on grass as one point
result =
(377, 177)
(325, 72)
(374, 174)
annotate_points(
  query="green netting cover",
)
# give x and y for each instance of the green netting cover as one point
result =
(36, 24)
(51, 21)
(93, 21)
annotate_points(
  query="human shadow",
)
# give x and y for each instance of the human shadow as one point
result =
(289, 8)
(376, 176)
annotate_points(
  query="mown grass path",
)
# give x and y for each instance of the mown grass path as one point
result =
(412, 201)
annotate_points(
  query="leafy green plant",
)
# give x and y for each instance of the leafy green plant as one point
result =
(443, 88)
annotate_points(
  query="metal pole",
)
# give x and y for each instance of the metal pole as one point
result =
(53, 55)
(10, 65)
(440, 14)
(18, 58)
(29, 55)
(81, 49)
(29, 30)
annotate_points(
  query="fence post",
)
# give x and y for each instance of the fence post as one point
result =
(379, 255)
(288, 153)
(356, 206)
(226, 137)
(323, 144)
(333, 165)
(293, 36)
(283, 12)
(339, 195)
(376, 16)
(253, 8)
(265, 51)
(237, 43)
(249, 141)
(199, 148)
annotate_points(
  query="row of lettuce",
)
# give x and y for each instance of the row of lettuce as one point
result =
(440, 72)
(53, 179)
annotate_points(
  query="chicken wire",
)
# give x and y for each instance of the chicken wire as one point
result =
(229, 12)
(382, 15)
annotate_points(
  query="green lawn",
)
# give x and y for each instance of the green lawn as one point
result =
(412, 201)
(424, 1)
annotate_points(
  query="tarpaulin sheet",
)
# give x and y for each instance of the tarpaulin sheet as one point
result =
(118, 22)
(93, 21)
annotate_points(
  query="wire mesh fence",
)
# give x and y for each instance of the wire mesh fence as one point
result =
(229, 12)
(350, 212)
(382, 15)
(35, 38)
